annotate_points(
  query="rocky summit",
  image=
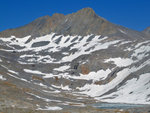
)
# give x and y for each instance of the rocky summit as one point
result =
(72, 62)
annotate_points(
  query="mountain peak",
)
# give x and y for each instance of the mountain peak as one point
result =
(57, 15)
(82, 22)
(86, 12)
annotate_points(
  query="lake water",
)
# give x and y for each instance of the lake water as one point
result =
(116, 106)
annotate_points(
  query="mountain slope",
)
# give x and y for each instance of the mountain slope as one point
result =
(73, 60)
(147, 31)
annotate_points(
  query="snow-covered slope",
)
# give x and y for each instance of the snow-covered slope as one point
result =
(104, 68)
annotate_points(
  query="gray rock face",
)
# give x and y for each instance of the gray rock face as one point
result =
(41, 43)
(73, 60)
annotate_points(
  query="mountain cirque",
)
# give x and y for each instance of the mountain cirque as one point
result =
(69, 62)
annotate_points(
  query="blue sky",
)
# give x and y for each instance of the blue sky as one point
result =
(134, 14)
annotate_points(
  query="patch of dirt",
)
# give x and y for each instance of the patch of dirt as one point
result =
(84, 69)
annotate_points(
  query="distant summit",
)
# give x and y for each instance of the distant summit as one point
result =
(83, 22)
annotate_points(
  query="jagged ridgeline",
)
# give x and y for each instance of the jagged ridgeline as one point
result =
(68, 61)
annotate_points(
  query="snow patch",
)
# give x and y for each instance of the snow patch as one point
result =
(50, 108)
(13, 72)
(62, 68)
(122, 31)
(120, 62)
(135, 91)
(95, 76)
(2, 78)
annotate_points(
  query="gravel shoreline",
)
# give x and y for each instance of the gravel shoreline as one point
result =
(77, 110)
